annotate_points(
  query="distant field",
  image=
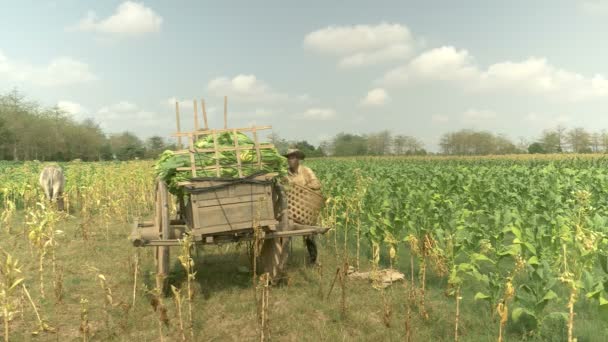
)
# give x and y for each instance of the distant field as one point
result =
(520, 239)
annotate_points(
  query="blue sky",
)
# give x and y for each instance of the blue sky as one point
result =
(312, 69)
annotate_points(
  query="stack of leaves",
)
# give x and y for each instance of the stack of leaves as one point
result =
(168, 163)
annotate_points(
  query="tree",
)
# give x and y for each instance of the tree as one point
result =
(279, 143)
(155, 145)
(345, 144)
(551, 142)
(561, 137)
(470, 142)
(535, 148)
(406, 145)
(379, 143)
(308, 149)
(596, 142)
(579, 140)
(126, 146)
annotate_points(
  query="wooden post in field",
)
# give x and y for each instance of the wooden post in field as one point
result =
(179, 138)
(204, 114)
(195, 115)
(225, 112)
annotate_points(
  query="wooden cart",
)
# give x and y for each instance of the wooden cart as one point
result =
(222, 210)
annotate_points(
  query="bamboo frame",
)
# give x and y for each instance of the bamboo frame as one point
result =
(179, 137)
(223, 149)
(194, 103)
(204, 110)
(225, 112)
(193, 137)
(243, 129)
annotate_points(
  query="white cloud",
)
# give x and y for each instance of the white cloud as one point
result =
(362, 45)
(244, 88)
(261, 112)
(532, 117)
(533, 75)
(60, 71)
(444, 64)
(125, 115)
(476, 115)
(170, 102)
(320, 114)
(375, 97)
(70, 107)
(440, 119)
(304, 98)
(594, 7)
(131, 18)
(547, 120)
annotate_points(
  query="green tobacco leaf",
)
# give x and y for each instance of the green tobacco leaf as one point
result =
(481, 296)
(550, 295)
(524, 316)
(533, 261)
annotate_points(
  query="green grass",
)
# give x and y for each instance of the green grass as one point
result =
(224, 305)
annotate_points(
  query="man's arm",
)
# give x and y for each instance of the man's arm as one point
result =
(311, 179)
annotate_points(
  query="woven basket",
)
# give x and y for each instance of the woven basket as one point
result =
(304, 204)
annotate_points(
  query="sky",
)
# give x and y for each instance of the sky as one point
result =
(312, 69)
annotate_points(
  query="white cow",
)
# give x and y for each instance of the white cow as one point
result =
(53, 181)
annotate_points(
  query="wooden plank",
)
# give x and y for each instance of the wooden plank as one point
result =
(257, 147)
(222, 149)
(230, 200)
(242, 129)
(233, 191)
(179, 131)
(204, 114)
(195, 115)
(225, 112)
(237, 154)
(266, 176)
(227, 228)
(163, 252)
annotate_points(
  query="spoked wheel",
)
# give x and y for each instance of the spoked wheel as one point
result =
(161, 221)
(274, 255)
(275, 252)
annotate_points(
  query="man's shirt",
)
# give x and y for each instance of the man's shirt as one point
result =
(304, 177)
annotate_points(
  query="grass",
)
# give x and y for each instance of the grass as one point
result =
(224, 303)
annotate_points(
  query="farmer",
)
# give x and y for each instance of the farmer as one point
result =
(303, 176)
(300, 174)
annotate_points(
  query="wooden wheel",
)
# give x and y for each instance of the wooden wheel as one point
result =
(161, 221)
(274, 256)
(275, 252)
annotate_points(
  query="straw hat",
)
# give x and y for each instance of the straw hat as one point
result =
(294, 151)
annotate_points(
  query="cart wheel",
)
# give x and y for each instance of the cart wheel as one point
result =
(275, 252)
(274, 257)
(161, 221)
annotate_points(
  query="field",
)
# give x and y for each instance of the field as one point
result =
(495, 248)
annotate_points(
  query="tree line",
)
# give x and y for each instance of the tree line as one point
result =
(28, 131)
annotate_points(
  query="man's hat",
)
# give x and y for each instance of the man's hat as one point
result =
(294, 151)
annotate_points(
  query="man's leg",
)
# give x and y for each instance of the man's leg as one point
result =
(311, 246)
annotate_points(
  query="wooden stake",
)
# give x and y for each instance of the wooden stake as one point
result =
(225, 112)
(238, 155)
(179, 138)
(204, 113)
(192, 151)
(217, 155)
(257, 147)
(195, 115)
